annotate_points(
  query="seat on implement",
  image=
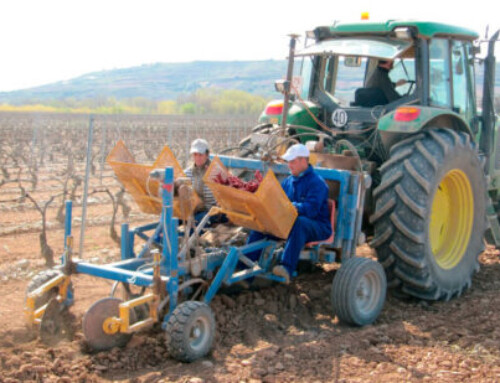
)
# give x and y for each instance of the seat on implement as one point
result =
(329, 240)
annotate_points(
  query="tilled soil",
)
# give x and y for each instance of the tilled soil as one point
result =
(279, 334)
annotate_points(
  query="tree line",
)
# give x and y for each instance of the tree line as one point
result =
(200, 102)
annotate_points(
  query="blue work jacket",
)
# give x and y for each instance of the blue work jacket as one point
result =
(309, 194)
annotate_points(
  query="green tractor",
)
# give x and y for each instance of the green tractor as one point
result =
(433, 157)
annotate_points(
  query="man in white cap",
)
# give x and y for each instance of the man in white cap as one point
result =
(309, 194)
(200, 153)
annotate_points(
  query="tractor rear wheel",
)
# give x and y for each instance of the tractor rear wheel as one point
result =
(430, 214)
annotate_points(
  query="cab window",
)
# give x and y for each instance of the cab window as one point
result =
(404, 69)
(439, 72)
(306, 73)
(463, 86)
(341, 77)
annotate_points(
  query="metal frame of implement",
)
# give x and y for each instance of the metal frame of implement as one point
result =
(164, 272)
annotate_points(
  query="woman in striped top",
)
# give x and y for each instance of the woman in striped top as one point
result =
(200, 153)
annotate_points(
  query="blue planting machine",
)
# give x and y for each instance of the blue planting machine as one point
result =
(176, 283)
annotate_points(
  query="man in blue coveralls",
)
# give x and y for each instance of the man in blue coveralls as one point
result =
(308, 192)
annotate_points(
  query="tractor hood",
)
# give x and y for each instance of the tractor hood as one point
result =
(377, 47)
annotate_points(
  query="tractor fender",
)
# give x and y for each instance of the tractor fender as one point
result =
(297, 113)
(428, 116)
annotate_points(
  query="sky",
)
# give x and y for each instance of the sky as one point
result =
(44, 41)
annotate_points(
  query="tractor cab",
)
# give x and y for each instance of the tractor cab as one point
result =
(344, 72)
(375, 82)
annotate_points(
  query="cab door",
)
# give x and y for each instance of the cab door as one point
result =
(451, 77)
(462, 69)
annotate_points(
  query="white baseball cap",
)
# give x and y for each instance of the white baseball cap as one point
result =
(199, 146)
(294, 151)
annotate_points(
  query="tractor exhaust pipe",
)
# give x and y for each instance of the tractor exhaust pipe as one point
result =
(488, 116)
(287, 85)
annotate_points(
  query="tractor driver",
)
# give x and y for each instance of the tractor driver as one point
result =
(308, 192)
(379, 78)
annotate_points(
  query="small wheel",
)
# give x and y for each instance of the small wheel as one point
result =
(42, 278)
(56, 323)
(190, 331)
(358, 291)
(93, 322)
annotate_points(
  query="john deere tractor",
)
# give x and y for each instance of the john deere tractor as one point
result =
(432, 155)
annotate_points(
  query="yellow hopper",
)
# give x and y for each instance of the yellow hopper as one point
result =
(145, 191)
(267, 210)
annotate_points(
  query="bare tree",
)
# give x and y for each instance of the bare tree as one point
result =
(3, 161)
(120, 200)
(47, 252)
(33, 170)
(92, 159)
(68, 174)
(19, 181)
(30, 163)
(11, 154)
(77, 182)
(114, 201)
(20, 185)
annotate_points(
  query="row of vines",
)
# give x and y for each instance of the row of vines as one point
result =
(43, 160)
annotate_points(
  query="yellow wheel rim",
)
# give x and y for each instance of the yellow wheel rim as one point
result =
(451, 219)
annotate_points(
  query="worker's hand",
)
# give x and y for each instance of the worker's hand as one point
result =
(401, 82)
(185, 192)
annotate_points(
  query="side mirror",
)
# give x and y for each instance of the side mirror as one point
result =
(282, 86)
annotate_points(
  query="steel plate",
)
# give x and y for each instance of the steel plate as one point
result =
(93, 321)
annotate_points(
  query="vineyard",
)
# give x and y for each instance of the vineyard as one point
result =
(282, 333)
(43, 159)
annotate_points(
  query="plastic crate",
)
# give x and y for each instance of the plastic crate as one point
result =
(144, 190)
(268, 210)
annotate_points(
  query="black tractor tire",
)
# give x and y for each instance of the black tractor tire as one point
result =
(190, 331)
(430, 214)
(358, 291)
(39, 280)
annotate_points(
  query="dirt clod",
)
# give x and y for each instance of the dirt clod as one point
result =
(278, 334)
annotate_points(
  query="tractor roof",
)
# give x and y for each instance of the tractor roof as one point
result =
(425, 29)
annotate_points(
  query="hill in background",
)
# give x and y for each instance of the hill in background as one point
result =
(161, 81)
(198, 87)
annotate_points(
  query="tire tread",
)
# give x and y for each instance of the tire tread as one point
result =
(401, 212)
